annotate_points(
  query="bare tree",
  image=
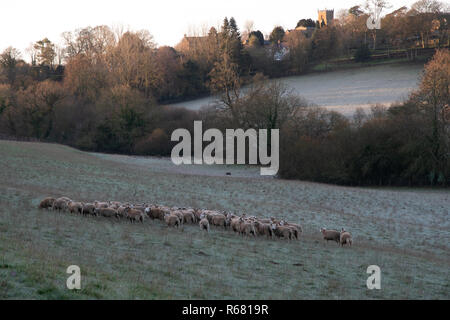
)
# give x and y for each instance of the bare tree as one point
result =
(32, 52)
(60, 54)
(92, 42)
(226, 82)
(132, 62)
(8, 61)
(248, 28)
(428, 6)
(268, 104)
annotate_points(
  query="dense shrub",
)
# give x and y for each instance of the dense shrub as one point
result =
(362, 54)
(155, 143)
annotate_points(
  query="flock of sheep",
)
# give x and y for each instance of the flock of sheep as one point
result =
(175, 217)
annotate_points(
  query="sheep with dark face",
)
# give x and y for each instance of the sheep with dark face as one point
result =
(263, 229)
(198, 213)
(75, 207)
(345, 237)
(88, 208)
(156, 212)
(204, 223)
(218, 220)
(106, 212)
(46, 203)
(188, 216)
(122, 211)
(229, 217)
(172, 220)
(152, 212)
(179, 214)
(282, 231)
(295, 228)
(247, 227)
(235, 224)
(61, 203)
(135, 215)
(333, 235)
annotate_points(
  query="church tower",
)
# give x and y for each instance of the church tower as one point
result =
(326, 16)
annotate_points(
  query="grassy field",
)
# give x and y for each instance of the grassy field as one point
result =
(404, 231)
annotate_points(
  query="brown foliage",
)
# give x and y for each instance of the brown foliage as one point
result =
(155, 143)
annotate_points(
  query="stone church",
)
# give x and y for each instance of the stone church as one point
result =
(326, 17)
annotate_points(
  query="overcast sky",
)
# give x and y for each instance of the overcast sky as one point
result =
(26, 21)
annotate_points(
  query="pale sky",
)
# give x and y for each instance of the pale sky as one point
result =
(25, 21)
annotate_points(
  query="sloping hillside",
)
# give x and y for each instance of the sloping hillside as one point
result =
(404, 231)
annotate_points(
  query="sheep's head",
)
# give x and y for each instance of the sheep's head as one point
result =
(273, 226)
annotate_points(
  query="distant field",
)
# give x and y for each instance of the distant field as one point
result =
(348, 89)
(404, 231)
